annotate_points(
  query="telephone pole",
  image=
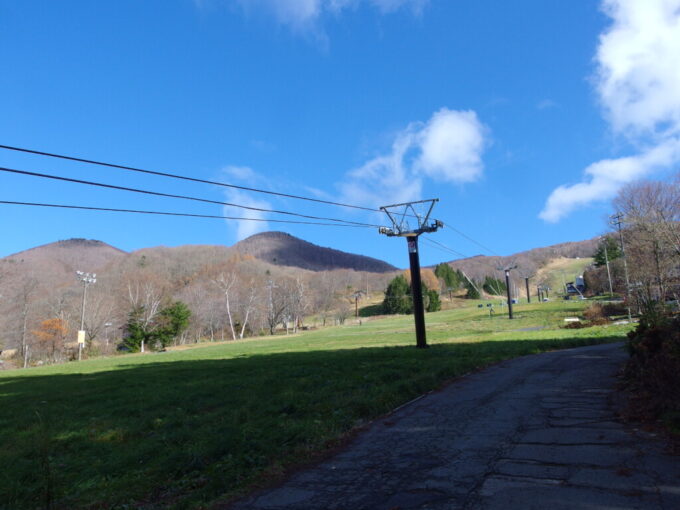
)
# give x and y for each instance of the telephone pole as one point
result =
(86, 279)
(357, 295)
(507, 270)
(402, 217)
(609, 274)
(616, 220)
(526, 283)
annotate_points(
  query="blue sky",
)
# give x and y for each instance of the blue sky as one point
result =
(524, 118)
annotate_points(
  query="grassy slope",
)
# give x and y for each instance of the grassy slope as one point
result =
(184, 427)
(559, 270)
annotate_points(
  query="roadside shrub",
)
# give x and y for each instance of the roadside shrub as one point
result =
(653, 370)
(600, 321)
(611, 309)
(599, 313)
(594, 312)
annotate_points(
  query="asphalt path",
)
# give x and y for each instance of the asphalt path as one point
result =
(537, 432)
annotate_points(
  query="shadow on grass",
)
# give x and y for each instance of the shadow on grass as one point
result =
(182, 433)
(371, 310)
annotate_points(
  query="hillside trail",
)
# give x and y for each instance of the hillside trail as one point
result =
(538, 432)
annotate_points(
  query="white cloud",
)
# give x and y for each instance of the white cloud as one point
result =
(451, 145)
(638, 77)
(241, 173)
(638, 82)
(447, 148)
(244, 228)
(304, 14)
(606, 177)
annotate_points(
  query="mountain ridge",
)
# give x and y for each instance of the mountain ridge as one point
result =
(283, 249)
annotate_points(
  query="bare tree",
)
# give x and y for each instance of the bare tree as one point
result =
(249, 297)
(145, 296)
(276, 305)
(24, 300)
(653, 208)
(226, 283)
(651, 212)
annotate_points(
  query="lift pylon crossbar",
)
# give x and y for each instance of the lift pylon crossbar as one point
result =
(400, 219)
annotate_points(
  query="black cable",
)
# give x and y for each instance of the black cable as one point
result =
(182, 177)
(446, 225)
(444, 247)
(216, 183)
(164, 213)
(184, 197)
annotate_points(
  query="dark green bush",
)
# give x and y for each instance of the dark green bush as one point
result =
(653, 370)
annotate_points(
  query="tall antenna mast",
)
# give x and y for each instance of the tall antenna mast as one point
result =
(409, 220)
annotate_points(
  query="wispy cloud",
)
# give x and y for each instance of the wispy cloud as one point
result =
(446, 148)
(248, 177)
(305, 14)
(546, 104)
(638, 83)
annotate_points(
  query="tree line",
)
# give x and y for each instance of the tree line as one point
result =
(147, 303)
(649, 236)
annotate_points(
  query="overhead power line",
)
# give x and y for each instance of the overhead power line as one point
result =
(166, 213)
(472, 240)
(182, 177)
(226, 185)
(443, 247)
(183, 197)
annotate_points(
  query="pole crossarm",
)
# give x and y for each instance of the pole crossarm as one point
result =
(399, 215)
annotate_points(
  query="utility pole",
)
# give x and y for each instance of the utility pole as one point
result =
(617, 219)
(526, 282)
(507, 270)
(107, 325)
(403, 225)
(609, 275)
(356, 297)
(86, 279)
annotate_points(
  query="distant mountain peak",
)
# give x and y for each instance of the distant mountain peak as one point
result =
(285, 249)
(84, 243)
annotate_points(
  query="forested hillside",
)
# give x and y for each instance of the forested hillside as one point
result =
(230, 294)
(285, 250)
(269, 282)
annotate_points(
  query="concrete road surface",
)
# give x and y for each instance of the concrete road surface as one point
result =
(538, 432)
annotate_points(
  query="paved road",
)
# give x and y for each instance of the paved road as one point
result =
(538, 432)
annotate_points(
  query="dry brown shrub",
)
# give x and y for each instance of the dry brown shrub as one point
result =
(594, 312)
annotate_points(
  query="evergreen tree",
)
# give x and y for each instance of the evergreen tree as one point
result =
(174, 319)
(613, 251)
(494, 286)
(170, 322)
(434, 304)
(472, 292)
(450, 277)
(136, 331)
(397, 296)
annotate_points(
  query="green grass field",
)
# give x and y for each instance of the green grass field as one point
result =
(186, 428)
